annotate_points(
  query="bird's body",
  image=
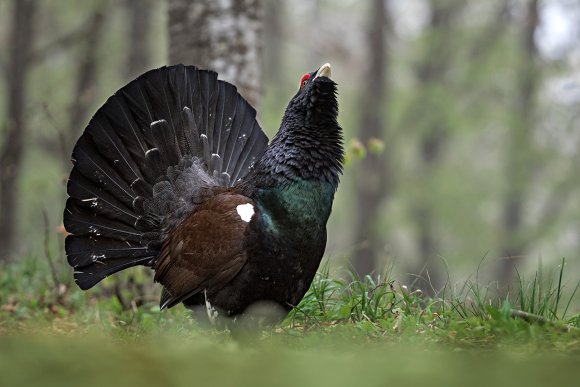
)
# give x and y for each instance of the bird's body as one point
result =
(173, 172)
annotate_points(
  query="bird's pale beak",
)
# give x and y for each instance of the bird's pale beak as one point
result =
(324, 71)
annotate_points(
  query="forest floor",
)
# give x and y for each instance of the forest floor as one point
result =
(344, 333)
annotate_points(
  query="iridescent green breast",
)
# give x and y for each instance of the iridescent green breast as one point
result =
(299, 207)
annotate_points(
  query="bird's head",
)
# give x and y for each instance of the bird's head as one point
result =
(315, 104)
(309, 142)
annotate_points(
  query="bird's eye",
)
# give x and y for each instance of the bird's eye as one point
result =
(304, 79)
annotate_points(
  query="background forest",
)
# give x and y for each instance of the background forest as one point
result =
(461, 117)
(462, 126)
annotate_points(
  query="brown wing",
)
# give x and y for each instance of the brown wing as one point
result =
(205, 251)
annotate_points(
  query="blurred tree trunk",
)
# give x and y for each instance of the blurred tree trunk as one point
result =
(314, 59)
(225, 36)
(139, 58)
(12, 151)
(273, 31)
(86, 81)
(373, 182)
(431, 74)
(518, 152)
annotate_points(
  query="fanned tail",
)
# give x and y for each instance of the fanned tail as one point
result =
(146, 158)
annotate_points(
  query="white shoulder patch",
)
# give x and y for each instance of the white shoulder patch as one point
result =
(245, 211)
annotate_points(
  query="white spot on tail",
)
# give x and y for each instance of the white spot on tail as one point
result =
(150, 150)
(93, 202)
(245, 211)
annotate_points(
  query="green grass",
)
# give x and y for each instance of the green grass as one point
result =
(346, 332)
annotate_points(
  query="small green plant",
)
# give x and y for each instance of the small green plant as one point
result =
(377, 307)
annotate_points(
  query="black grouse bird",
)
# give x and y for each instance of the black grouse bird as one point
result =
(173, 172)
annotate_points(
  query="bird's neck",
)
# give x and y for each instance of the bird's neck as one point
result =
(299, 156)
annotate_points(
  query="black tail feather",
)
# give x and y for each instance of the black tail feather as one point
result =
(144, 160)
(166, 142)
(88, 250)
(190, 132)
(154, 164)
(80, 220)
(246, 158)
(81, 188)
(91, 164)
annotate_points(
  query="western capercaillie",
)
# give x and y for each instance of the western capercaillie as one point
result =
(173, 172)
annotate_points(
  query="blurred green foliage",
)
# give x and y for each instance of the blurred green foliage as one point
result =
(169, 361)
(344, 332)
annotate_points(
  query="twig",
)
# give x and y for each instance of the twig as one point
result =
(119, 296)
(60, 133)
(47, 253)
(3, 70)
(537, 319)
(310, 318)
(529, 317)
